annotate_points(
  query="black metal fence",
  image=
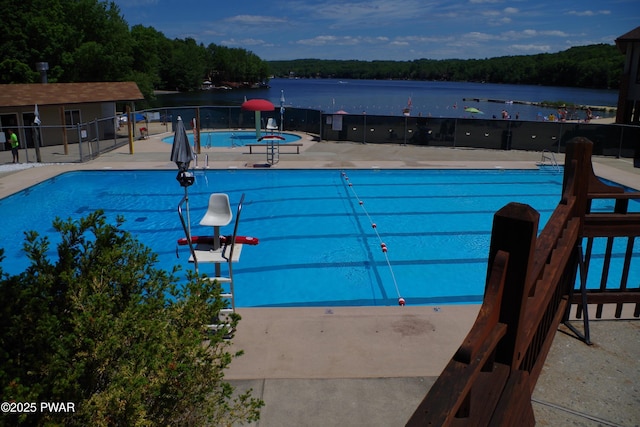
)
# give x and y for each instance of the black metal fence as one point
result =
(84, 141)
(609, 139)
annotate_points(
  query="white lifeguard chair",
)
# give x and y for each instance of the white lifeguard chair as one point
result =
(272, 125)
(218, 215)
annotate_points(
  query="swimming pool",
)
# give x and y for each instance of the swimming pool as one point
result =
(236, 138)
(317, 246)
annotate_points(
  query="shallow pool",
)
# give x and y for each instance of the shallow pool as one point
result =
(233, 138)
(317, 245)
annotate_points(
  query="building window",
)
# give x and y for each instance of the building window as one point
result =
(71, 117)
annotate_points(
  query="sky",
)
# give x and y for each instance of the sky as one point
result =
(397, 30)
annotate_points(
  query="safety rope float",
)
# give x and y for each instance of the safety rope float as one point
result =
(383, 246)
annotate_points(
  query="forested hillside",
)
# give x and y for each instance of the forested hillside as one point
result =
(595, 66)
(89, 40)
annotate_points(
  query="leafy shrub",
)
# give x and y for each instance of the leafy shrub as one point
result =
(104, 328)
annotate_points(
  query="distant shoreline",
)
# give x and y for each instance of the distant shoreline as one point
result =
(544, 104)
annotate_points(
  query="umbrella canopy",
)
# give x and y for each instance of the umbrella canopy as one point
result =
(181, 152)
(258, 105)
(473, 110)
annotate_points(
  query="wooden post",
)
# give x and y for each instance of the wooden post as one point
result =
(130, 118)
(515, 228)
(65, 140)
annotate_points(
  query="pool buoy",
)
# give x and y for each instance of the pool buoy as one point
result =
(383, 246)
(373, 225)
(401, 302)
(361, 202)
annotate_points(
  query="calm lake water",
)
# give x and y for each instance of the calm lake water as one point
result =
(390, 97)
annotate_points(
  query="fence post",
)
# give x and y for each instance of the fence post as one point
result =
(514, 231)
(130, 128)
(364, 128)
(97, 136)
(79, 127)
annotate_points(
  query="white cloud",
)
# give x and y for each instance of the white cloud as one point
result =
(329, 40)
(528, 48)
(589, 12)
(341, 14)
(255, 20)
(243, 42)
(530, 33)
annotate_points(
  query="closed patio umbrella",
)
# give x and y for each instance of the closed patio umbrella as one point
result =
(181, 152)
(37, 133)
(182, 155)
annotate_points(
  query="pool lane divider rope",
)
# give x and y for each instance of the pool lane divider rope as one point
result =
(383, 246)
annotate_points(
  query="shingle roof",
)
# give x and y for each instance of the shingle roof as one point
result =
(631, 36)
(18, 95)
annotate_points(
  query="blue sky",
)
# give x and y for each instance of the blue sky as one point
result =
(388, 29)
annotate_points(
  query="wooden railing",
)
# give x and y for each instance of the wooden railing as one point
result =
(529, 290)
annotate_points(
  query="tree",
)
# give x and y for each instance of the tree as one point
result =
(103, 328)
(594, 66)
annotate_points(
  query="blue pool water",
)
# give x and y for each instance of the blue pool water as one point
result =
(232, 138)
(317, 246)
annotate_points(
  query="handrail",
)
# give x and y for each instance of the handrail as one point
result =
(187, 233)
(536, 294)
(549, 155)
(231, 251)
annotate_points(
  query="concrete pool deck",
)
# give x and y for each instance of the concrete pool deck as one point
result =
(371, 366)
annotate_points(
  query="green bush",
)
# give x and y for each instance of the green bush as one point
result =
(104, 328)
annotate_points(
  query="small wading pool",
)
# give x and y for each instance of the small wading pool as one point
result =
(237, 138)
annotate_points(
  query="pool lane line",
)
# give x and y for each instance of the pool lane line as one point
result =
(383, 246)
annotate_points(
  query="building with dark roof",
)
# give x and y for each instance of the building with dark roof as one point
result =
(63, 106)
(629, 93)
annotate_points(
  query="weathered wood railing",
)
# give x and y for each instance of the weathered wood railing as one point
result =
(618, 224)
(530, 283)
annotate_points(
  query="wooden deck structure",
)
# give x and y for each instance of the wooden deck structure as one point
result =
(530, 288)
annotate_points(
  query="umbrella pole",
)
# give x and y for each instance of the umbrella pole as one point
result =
(257, 116)
(186, 200)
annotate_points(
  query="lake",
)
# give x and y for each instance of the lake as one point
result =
(390, 97)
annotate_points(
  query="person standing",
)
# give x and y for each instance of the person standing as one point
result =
(15, 145)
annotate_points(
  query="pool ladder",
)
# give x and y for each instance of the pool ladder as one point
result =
(206, 161)
(551, 158)
(273, 152)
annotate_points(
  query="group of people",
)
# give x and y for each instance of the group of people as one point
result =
(15, 145)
